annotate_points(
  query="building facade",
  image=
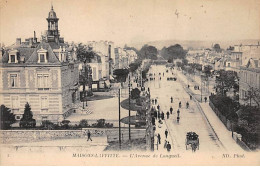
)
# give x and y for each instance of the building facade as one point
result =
(41, 74)
(249, 79)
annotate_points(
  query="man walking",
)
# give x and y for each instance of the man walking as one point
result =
(168, 147)
(155, 114)
(159, 138)
(168, 115)
(166, 133)
(178, 112)
(89, 134)
(171, 109)
(205, 98)
(162, 115)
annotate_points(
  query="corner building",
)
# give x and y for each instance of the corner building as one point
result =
(42, 74)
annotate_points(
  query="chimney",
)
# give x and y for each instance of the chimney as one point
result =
(34, 37)
(18, 41)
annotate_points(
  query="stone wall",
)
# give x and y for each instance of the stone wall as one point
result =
(19, 136)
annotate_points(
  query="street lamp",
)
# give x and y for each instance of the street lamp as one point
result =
(119, 118)
(129, 113)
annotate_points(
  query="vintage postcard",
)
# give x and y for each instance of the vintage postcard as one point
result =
(129, 82)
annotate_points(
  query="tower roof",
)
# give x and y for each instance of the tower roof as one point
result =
(52, 14)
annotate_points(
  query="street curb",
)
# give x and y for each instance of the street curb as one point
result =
(201, 110)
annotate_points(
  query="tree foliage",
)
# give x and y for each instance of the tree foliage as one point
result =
(253, 95)
(217, 48)
(121, 74)
(134, 66)
(135, 93)
(173, 52)
(7, 118)
(207, 70)
(27, 119)
(225, 81)
(84, 54)
(148, 52)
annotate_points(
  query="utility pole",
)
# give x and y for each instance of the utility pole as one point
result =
(119, 118)
(201, 88)
(84, 85)
(129, 113)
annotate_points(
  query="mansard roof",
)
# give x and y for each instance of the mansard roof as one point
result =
(52, 58)
(31, 56)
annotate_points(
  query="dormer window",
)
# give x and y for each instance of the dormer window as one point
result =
(13, 56)
(42, 56)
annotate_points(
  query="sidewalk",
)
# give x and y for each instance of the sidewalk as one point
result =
(224, 135)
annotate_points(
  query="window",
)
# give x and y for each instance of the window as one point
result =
(12, 58)
(42, 58)
(44, 102)
(43, 81)
(13, 80)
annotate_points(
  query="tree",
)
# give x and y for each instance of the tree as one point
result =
(217, 48)
(84, 54)
(135, 93)
(7, 118)
(65, 124)
(207, 70)
(83, 123)
(173, 52)
(253, 95)
(27, 119)
(148, 52)
(121, 74)
(225, 81)
(134, 66)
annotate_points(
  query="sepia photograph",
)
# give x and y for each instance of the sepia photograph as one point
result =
(130, 82)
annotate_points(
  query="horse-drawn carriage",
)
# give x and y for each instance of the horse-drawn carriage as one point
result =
(192, 139)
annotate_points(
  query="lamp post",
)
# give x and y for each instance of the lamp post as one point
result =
(201, 88)
(129, 113)
(119, 118)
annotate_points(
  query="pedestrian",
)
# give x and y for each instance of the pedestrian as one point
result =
(155, 114)
(178, 112)
(89, 135)
(188, 86)
(159, 115)
(178, 119)
(159, 138)
(165, 144)
(180, 104)
(155, 101)
(168, 115)
(158, 107)
(187, 105)
(190, 97)
(153, 120)
(205, 98)
(171, 100)
(163, 74)
(171, 109)
(162, 115)
(166, 133)
(168, 147)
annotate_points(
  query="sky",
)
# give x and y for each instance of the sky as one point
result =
(132, 21)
